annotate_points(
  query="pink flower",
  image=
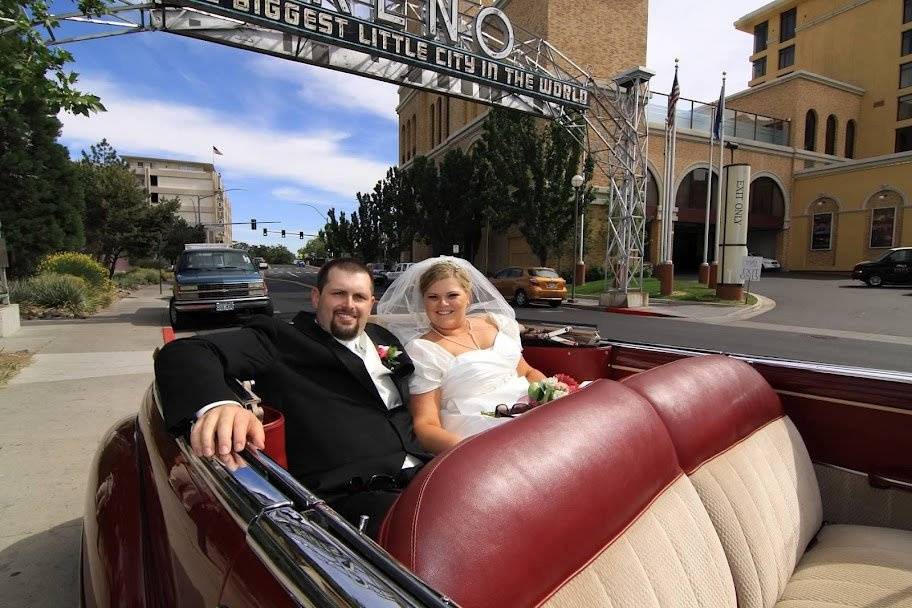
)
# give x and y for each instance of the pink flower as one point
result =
(382, 351)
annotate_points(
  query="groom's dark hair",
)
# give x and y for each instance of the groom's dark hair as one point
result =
(344, 264)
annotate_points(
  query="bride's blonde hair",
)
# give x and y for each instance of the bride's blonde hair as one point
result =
(445, 270)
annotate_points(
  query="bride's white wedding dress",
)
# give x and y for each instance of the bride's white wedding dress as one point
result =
(471, 382)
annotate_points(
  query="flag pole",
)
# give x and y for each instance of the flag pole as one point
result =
(721, 118)
(709, 174)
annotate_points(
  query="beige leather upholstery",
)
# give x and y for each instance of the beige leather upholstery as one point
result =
(853, 566)
(763, 499)
(848, 498)
(669, 556)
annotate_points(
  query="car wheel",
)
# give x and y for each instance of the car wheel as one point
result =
(553, 304)
(177, 318)
(874, 280)
(520, 298)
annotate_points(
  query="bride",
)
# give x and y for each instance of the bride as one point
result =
(463, 339)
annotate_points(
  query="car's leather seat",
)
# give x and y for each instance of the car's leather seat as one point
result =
(753, 473)
(578, 503)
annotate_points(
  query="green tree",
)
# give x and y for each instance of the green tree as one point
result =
(535, 163)
(118, 220)
(401, 223)
(30, 69)
(338, 234)
(314, 248)
(178, 234)
(41, 195)
(239, 245)
(273, 254)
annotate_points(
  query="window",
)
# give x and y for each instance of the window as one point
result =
(760, 68)
(905, 75)
(907, 11)
(761, 31)
(766, 198)
(787, 57)
(153, 180)
(850, 139)
(139, 164)
(787, 24)
(810, 130)
(906, 46)
(904, 107)
(822, 231)
(903, 139)
(883, 220)
(154, 197)
(830, 141)
(692, 190)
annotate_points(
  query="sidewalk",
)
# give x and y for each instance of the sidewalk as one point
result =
(705, 312)
(86, 374)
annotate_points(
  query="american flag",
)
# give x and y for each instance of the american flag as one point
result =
(216, 151)
(673, 100)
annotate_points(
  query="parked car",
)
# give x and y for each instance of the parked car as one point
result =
(164, 527)
(397, 270)
(894, 266)
(300, 263)
(216, 279)
(261, 263)
(532, 284)
(767, 263)
(379, 270)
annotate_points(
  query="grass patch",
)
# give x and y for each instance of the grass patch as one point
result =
(684, 291)
(11, 363)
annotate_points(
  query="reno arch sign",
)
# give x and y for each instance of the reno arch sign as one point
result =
(383, 32)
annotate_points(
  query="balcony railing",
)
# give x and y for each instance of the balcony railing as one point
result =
(696, 115)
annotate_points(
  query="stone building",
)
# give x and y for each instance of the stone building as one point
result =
(198, 187)
(825, 123)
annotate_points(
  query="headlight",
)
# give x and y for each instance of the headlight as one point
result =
(256, 284)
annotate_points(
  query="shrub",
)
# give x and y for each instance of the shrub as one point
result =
(150, 263)
(79, 265)
(136, 277)
(49, 290)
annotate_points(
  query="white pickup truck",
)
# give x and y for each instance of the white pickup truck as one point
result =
(396, 272)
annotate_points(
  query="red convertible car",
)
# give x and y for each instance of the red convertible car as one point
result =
(677, 478)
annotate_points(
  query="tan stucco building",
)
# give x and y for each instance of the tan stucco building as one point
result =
(825, 123)
(198, 187)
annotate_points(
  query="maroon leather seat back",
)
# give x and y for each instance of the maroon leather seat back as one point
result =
(707, 403)
(506, 517)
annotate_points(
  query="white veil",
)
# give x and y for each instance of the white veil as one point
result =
(401, 308)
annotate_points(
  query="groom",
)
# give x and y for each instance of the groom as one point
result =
(349, 434)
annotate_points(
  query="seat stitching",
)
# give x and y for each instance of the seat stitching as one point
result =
(712, 476)
(639, 561)
(681, 561)
(733, 446)
(766, 536)
(842, 580)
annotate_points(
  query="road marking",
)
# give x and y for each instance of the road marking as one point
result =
(53, 367)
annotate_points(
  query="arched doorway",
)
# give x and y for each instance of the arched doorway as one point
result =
(690, 200)
(767, 216)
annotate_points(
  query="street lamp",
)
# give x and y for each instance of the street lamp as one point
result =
(199, 219)
(576, 181)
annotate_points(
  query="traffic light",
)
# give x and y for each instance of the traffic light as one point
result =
(301, 235)
(283, 234)
(265, 232)
(253, 223)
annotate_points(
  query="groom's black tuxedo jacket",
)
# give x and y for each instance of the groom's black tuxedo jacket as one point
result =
(337, 426)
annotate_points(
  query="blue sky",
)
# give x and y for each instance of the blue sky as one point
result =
(292, 134)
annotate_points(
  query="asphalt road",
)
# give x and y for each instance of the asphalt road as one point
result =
(290, 290)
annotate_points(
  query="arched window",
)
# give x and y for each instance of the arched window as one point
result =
(850, 139)
(830, 141)
(810, 130)
(767, 204)
(652, 195)
(691, 194)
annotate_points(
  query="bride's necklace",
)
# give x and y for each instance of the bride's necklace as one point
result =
(471, 335)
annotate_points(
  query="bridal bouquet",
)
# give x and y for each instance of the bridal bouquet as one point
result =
(549, 389)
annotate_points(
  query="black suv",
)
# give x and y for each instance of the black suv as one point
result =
(894, 266)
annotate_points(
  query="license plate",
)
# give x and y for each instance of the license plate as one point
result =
(552, 285)
(223, 306)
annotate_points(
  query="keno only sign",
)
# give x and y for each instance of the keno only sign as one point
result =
(752, 267)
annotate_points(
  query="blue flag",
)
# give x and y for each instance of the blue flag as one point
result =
(720, 110)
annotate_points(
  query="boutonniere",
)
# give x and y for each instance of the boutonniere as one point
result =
(389, 356)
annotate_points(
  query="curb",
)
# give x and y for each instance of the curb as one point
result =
(639, 312)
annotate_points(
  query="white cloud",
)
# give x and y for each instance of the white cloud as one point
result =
(339, 89)
(702, 35)
(287, 193)
(140, 125)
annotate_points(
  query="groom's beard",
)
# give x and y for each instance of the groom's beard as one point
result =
(344, 332)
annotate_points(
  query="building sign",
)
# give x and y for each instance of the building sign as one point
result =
(752, 267)
(384, 35)
(734, 227)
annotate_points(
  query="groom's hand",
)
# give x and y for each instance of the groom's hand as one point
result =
(224, 429)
